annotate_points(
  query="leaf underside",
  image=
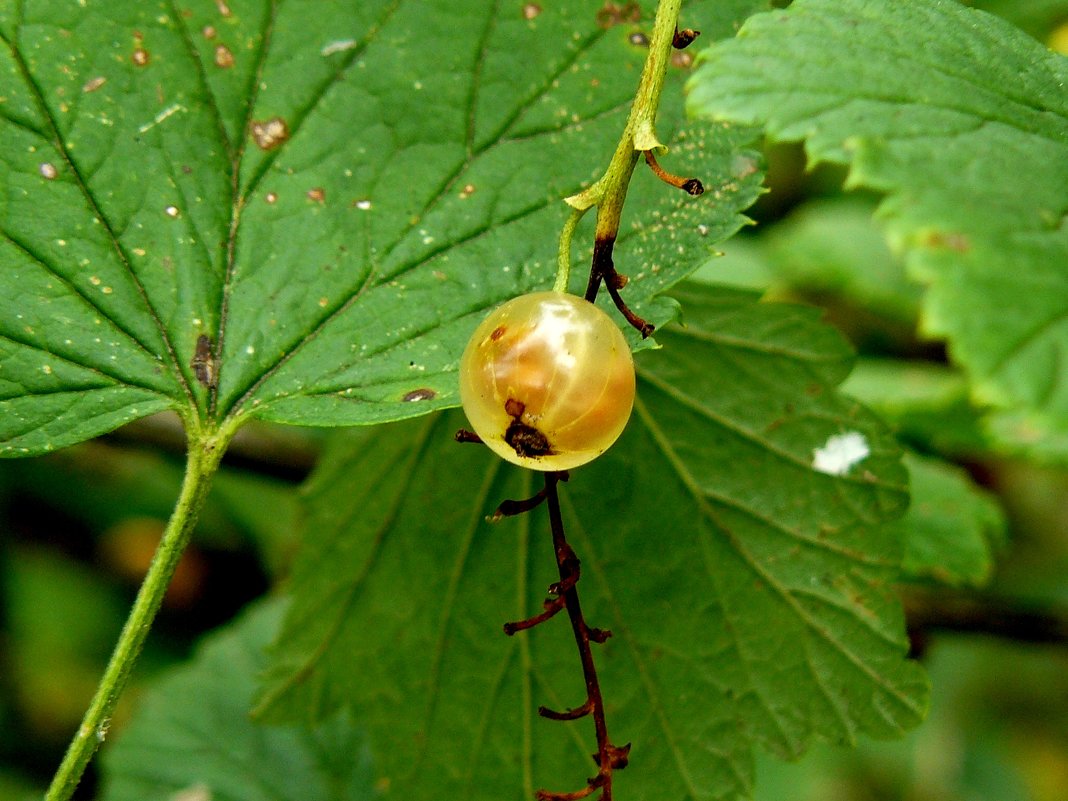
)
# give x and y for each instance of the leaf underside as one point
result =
(331, 194)
(746, 585)
(962, 121)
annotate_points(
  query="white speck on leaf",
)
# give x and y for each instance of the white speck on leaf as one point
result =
(840, 453)
(339, 46)
(167, 112)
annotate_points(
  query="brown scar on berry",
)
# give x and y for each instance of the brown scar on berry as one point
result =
(498, 332)
(524, 439)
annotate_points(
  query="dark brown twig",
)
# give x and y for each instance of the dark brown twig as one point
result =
(608, 756)
(932, 611)
(602, 268)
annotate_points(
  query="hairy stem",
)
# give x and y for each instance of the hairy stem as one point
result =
(204, 453)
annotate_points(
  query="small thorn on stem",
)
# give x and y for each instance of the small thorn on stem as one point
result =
(684, 38)
(599, 636)
(463, 435)
(691, 186)
(618, 756)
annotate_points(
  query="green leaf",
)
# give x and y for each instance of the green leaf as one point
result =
(962, 121)
(192, 736)
(330, 193)
(745, 582)
(952, 527)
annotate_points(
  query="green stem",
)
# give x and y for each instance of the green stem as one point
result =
(201, 463)
(639, 135)
(563, 261)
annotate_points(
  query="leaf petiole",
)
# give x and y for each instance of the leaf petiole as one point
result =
(205, 450)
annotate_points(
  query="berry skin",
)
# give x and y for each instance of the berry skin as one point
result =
(547, 381)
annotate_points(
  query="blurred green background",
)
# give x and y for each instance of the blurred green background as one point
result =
(77, 529)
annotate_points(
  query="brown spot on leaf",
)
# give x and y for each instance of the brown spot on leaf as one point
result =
(208, 31)
(93, 84)
(224, 57)
(269, 134)
(203, 362)
(48, 171)
(140, 57)
(421, 394)
(681, 59)
(612, 14)
(317, 194)
(531, 10)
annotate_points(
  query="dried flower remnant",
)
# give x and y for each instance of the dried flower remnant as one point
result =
(269, 134)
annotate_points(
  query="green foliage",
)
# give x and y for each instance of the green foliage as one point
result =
(952, 528)
(336, 261)
(202, 709)
(962, 120)
(402, 587)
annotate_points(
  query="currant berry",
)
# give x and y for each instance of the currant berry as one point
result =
(547, 381)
